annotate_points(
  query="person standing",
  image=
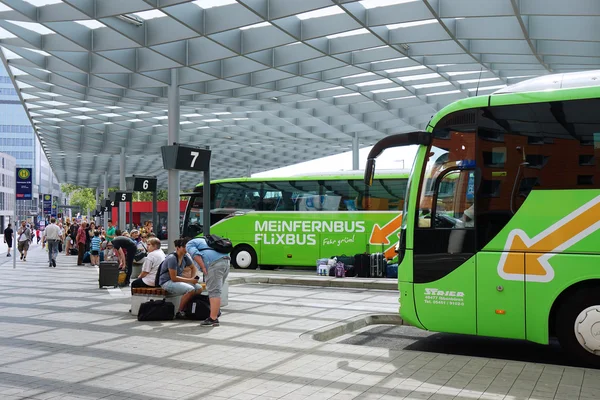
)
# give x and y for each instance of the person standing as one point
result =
(81, 239)
(215, 267)
(111, 231)
(24, 234)
(52, 236)
(126, 249)
(95, 249)
(8, 238)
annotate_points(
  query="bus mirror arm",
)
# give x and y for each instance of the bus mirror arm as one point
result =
(398, 140)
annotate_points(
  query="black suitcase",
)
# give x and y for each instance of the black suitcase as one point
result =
(108, 274)
(159, 310)
(377, 265)
(362, 265)
(198, 307)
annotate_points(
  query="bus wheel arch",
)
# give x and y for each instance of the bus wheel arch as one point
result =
(244, 256)
(575, 321)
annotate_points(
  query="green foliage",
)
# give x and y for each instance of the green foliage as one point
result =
(147, 196)
(80, 196)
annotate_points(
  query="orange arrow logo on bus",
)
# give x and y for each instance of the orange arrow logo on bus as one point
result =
(560, 236)
(380, 235)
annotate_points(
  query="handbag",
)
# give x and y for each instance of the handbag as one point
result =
(159, 310)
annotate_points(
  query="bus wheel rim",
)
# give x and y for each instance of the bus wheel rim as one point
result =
(243, 259)
(587, 329)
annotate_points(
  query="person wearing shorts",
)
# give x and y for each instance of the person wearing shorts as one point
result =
(24, 238)
(171, 278)
(215, 266)
(126, 249)
(95, 249)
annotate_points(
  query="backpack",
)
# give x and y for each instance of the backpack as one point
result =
(198, 308)
(217, 243)
(159, 269)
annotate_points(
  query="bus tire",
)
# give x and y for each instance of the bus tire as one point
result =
(577, 326)
(244, 257)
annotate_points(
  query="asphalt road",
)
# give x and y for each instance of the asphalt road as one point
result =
(410, 338)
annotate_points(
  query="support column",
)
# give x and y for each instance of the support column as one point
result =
(105, 217)
(97, 221)
(122, 206)
(155, 228)
(173, 179)
(355, 162)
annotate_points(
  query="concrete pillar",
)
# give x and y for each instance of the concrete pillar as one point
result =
(173, 176)
(122, 206)
(97, 220)
(355, 163)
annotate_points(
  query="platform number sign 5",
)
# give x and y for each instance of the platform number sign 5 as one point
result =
(122, 197)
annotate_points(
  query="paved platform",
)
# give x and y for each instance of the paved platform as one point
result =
(63, 338)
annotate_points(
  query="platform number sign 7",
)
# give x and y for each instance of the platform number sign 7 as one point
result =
(194, 155)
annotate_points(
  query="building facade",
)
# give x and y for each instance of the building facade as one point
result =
(7, 189)
(18, 139)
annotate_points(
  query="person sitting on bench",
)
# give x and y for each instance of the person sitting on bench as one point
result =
(151, 264)
(171, 278)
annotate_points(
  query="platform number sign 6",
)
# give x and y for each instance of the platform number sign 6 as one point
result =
(145, 184)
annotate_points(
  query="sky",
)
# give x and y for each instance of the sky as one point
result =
(394, 158)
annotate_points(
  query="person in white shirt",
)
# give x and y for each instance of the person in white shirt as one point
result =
(153, 260)
(52, 235)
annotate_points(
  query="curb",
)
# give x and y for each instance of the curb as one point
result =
(320, 282)
(344, 327)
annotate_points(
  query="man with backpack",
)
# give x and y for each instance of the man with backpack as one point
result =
(170, 278)
(211, 254)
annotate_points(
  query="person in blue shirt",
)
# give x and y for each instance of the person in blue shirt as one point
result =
(171, 279)
(215, 267)
(95, 249)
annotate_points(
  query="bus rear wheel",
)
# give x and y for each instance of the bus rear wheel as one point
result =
(244, 257)
(578, 326)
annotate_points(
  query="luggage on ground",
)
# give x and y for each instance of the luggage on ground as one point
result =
(73, 251)
(198, 307)
(86, 257)
(108, 274)
(347, 260)
(362, 265)
(377, 265)
(392, 271)
(340, 272)
(159, 310)
(350, 270)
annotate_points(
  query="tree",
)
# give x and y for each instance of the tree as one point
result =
(80, 196)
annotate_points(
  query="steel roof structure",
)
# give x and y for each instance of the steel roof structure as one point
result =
(268, 83)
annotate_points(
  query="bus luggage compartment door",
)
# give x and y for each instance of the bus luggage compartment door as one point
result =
(500, 302)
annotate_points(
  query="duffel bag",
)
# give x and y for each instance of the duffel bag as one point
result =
(346, 260)
(159, 310)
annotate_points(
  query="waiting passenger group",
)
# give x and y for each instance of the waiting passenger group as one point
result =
(179, 274)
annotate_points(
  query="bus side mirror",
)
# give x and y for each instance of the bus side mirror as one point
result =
(369, 171)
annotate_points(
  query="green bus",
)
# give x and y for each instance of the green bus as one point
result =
(294, 221)
(514, 252)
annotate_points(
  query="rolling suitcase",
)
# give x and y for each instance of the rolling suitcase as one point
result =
(361, 265)
(108, 274)
(377, 265)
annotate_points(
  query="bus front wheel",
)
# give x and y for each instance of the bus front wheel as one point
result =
(244, 257)
(578, 326)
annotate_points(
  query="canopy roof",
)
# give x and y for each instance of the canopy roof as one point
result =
(268, 83)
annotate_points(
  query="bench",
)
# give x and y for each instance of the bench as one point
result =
(142, 295)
